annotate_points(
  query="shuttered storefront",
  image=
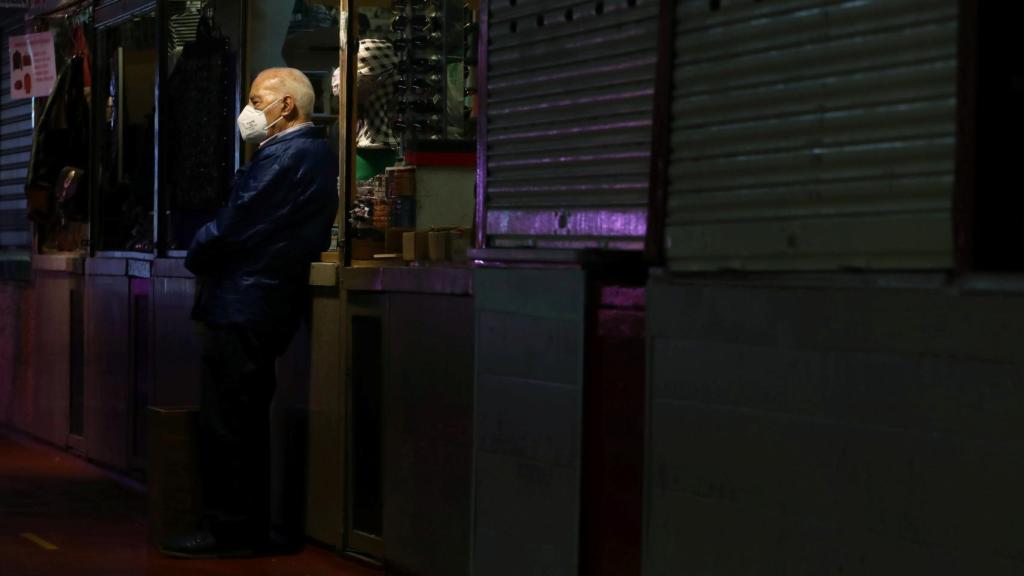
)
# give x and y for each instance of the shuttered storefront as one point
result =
(568, 122)
(15, 148)
(812, 135)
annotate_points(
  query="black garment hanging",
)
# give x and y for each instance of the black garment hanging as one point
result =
(200, 122)
(61, 140)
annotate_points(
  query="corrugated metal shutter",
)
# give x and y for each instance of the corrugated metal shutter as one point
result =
(15, 149)
(812, 135)
(570, 89)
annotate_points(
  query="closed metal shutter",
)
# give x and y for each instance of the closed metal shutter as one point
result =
(15, 149)
(812, 135)
(570, 89)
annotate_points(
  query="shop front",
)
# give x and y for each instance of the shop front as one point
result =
(564, 220)
(96, 191)
(107, 285)
(406, 307)
(57, 203)
(372, 421)
(135, 149)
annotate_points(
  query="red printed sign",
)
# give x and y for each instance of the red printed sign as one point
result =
(33, 65)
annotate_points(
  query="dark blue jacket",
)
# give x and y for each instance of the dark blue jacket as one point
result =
(253, 259)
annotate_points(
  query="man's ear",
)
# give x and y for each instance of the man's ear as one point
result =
(288, 104)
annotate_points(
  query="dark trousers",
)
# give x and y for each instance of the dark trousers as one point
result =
(237, 387)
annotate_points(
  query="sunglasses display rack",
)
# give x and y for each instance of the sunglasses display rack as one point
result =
(431, 39)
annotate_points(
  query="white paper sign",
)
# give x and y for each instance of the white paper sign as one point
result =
(33, 65)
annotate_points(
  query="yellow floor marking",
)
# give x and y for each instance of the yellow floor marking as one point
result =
(37, 541)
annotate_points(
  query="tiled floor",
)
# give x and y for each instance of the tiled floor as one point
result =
(61, 516)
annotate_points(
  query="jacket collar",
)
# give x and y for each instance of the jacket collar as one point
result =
(301, 132)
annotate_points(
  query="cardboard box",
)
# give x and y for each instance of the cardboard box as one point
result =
(395, 239)
(438, 245)
(414, 245)
(459, 242)
(323, 274)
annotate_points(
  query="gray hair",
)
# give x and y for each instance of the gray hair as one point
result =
(292, 82)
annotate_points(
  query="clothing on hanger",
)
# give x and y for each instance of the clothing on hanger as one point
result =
(183, 26)
(201, 121)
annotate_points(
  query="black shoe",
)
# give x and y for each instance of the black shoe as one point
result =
(202, 544)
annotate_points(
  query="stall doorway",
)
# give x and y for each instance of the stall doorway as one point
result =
(365, 518)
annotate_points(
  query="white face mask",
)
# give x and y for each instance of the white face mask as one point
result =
(252, 123)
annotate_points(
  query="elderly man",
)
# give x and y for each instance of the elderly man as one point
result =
(252, 262)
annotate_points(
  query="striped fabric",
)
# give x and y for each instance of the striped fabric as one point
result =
(183, 28)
